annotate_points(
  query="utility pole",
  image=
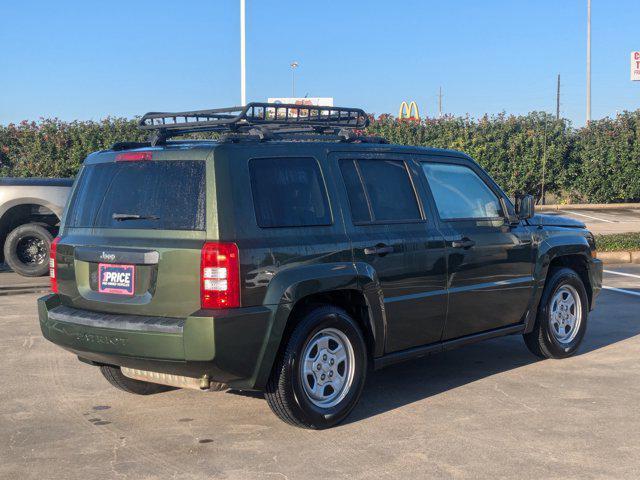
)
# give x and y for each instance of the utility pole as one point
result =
(294, 65)
(558, 100)
(243, 70)
(544, 164)
(440, 103)
(588, 61)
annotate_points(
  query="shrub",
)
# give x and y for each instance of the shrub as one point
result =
(512, 149)
(618, 241)
(53, 148)
(598, 163)
(606, 159)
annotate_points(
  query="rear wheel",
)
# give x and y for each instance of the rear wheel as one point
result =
(26, 250)
(319, 377)
(562, 316)
(116, 378)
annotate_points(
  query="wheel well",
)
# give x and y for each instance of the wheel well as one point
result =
(577, 263)
(27, 213)
(352, 301)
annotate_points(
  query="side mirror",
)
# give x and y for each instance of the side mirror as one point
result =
(525, 207)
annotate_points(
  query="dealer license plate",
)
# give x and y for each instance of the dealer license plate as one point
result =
(116, 279)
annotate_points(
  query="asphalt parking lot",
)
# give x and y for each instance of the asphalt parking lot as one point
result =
(603, 221)
(489, 410)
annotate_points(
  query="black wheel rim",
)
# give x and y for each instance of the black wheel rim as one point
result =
(32, 251)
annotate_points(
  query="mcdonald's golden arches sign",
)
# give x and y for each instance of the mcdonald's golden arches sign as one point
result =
(407, 111)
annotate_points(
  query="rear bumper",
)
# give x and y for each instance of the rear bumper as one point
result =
(227, 346)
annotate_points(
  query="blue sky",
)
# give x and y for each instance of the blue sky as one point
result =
(88, 60)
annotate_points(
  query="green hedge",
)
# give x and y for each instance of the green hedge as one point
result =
(618, 241)
(598, 163)
(605, 159)
(512, 149)
(53, 148)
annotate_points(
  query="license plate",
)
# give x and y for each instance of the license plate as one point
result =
(116, 279)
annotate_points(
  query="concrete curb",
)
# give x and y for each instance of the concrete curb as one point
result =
(632, 256)
(13, 284)
(20, 290)
(588, 206)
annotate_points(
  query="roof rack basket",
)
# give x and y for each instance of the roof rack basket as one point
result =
(267, 118)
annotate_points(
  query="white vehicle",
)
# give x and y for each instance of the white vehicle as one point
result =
(30, 213)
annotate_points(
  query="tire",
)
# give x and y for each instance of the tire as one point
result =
(288, 389)
(115, 377)
(552, 336)
(26, 250)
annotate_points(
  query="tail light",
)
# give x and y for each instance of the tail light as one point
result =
(134, 156)
(219, 275)
(53, 265)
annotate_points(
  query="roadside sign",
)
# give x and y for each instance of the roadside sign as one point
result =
(635, 66)
(318, 101)
(310, 101)
(407, 111)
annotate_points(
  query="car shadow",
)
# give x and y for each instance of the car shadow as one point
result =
(616, 318)
(405, 383)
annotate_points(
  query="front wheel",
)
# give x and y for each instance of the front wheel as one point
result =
(562, 316)
(319, 377)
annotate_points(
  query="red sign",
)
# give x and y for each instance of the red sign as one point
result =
(635, 66)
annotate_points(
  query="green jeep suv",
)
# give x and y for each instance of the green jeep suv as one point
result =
(293, 253)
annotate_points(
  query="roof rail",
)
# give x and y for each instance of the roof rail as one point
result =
(256, 116)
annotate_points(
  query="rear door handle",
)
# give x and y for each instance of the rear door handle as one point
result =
(380, 249)
(464, 243)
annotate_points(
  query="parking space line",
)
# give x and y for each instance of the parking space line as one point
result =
(621, 290)
(624, 274)
(588, 216)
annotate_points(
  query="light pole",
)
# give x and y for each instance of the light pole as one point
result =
(588, 61)
(294, 65)
(243, 70)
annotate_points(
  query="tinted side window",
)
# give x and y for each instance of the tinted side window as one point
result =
(460, 193)
(355, 190)
(389, 190)
(288, 192)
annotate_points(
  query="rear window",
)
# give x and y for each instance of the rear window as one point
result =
(288, 192)
(163, 195)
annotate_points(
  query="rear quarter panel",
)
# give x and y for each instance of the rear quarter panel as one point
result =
(266, 252)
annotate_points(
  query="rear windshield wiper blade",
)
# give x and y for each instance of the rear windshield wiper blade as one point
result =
(121, 217)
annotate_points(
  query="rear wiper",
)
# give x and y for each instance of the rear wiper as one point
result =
(121, 217)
